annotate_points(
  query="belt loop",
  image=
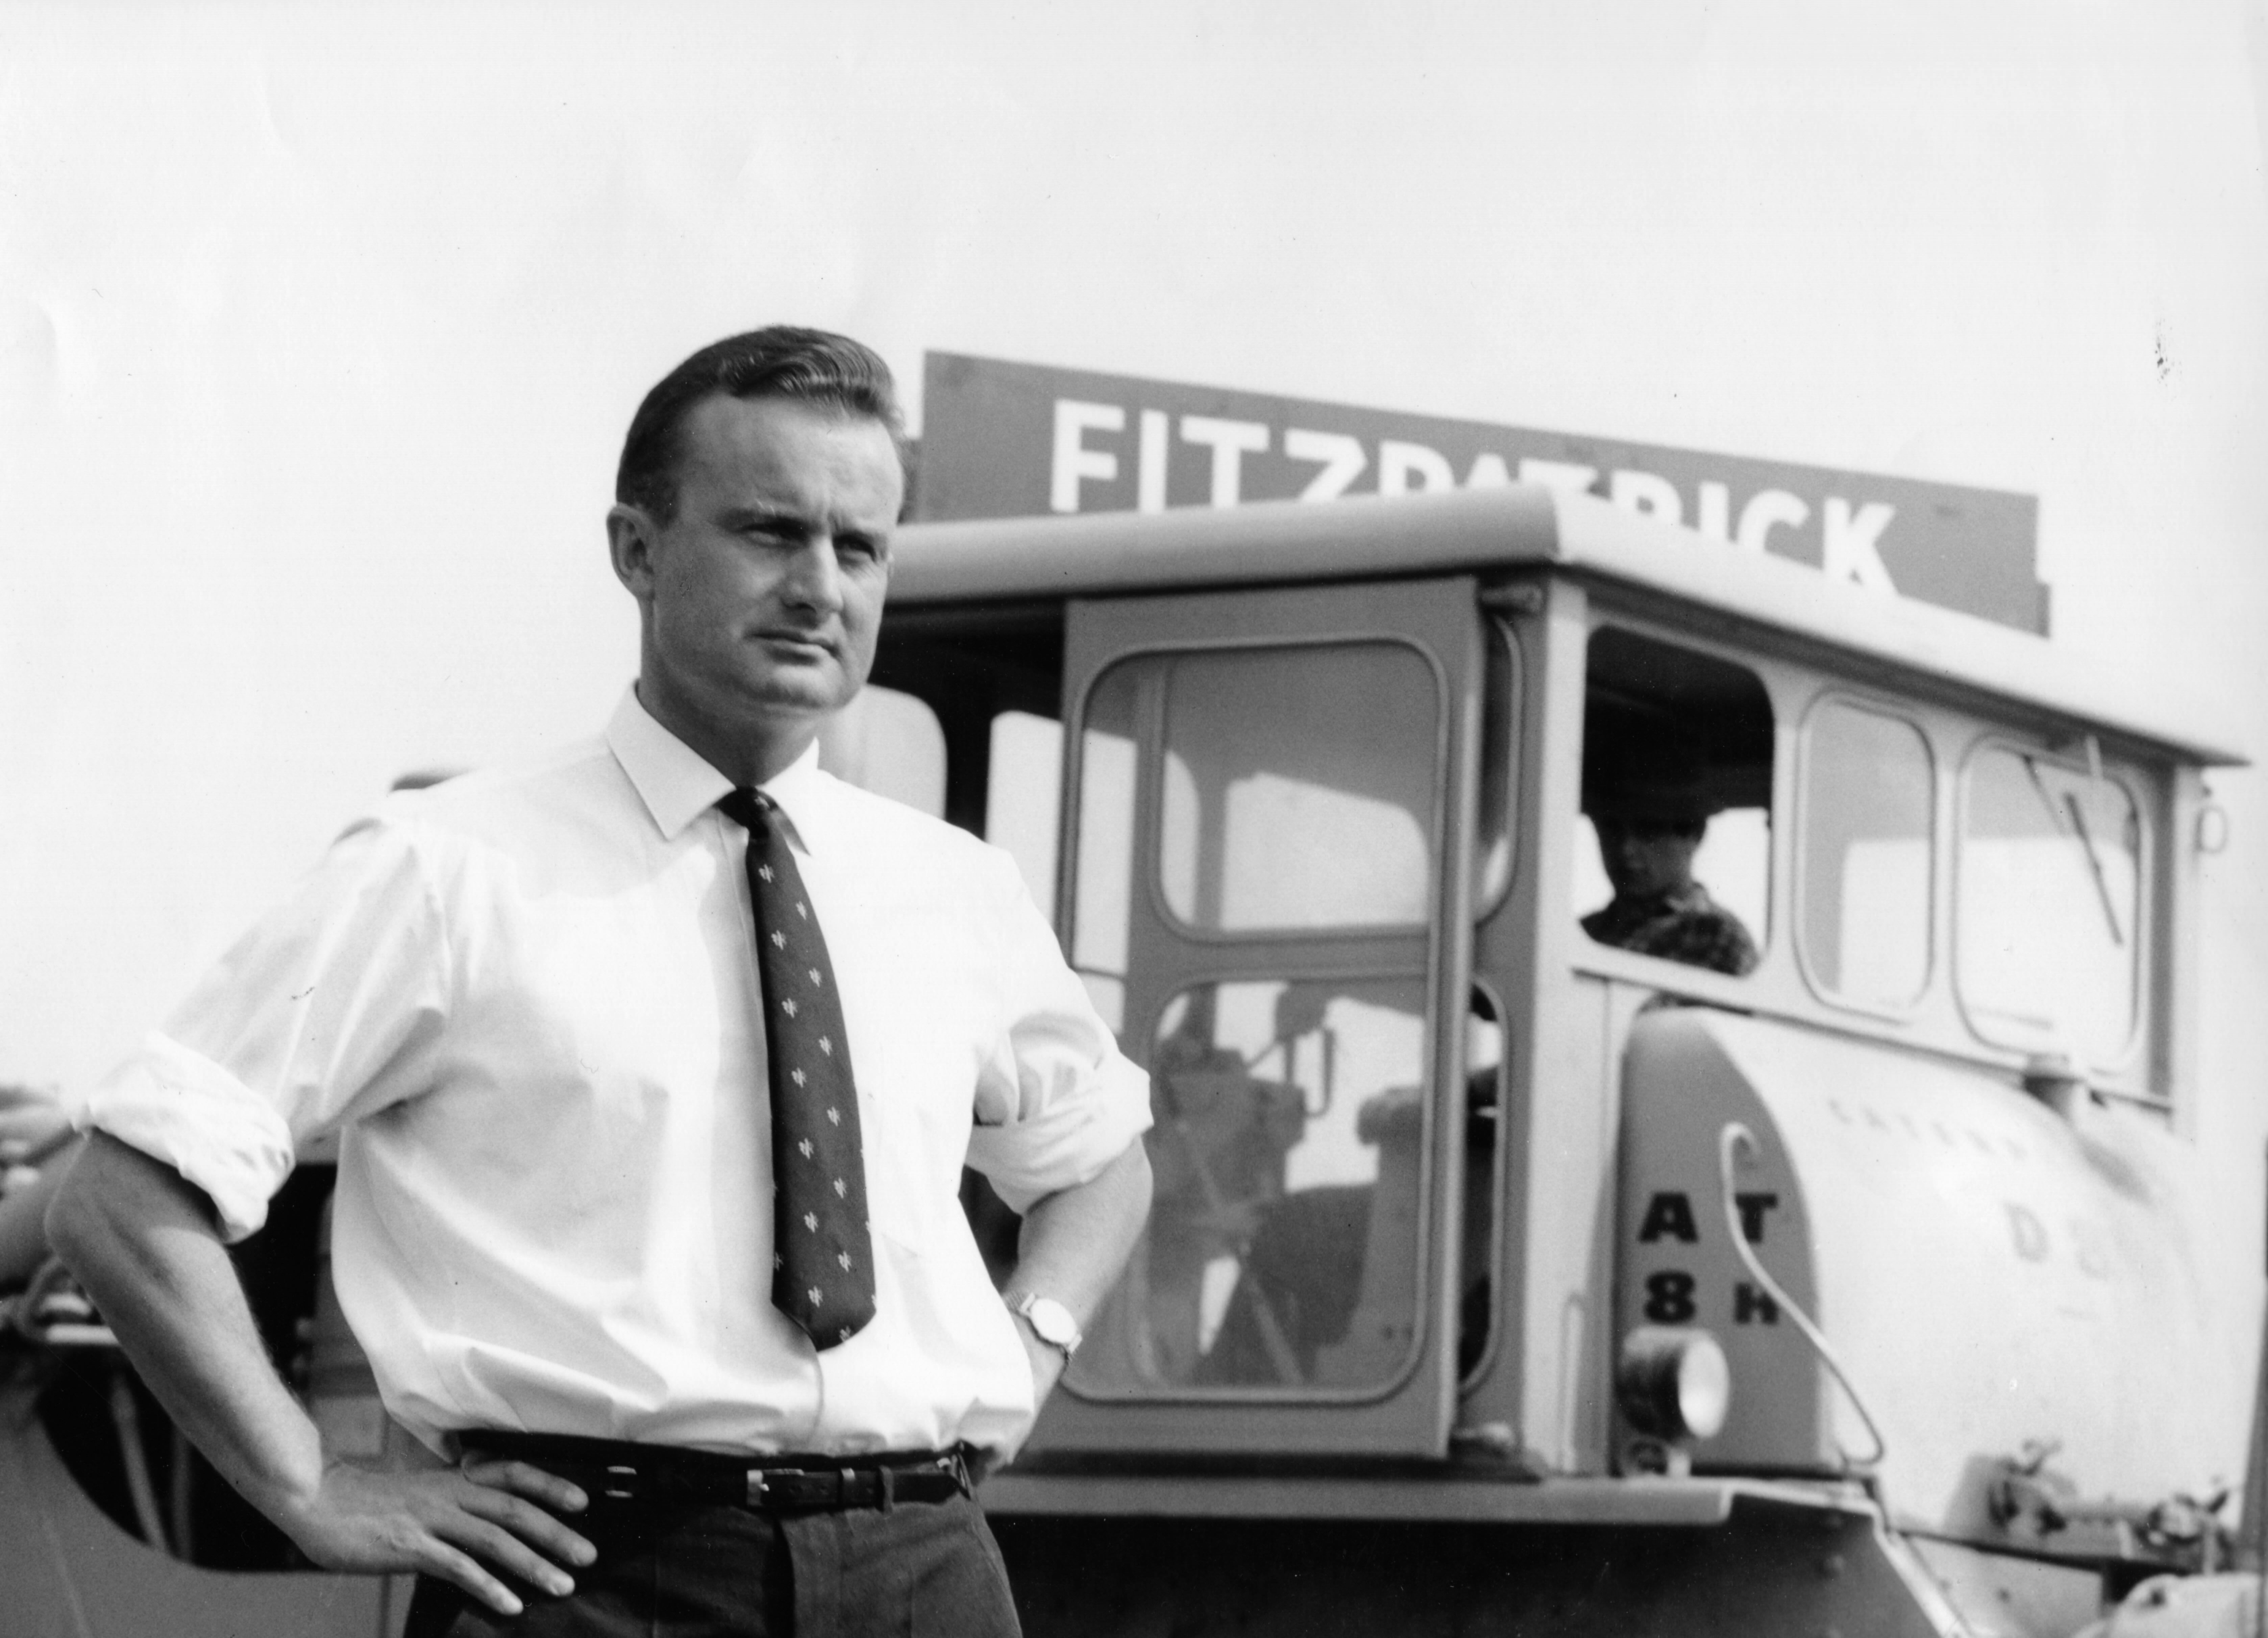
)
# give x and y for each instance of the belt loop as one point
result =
(889, 1478)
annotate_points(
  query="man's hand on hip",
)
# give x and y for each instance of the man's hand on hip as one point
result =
(458, 1524)
(146, 1245)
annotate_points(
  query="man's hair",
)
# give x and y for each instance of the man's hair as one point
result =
(780, 361)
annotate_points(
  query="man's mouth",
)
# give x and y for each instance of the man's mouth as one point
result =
(815, 641)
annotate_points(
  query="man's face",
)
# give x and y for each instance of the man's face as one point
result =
(1643, 858)
(762, 595)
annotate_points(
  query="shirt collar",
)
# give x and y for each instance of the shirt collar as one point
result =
(1683, 901)
(678, 784)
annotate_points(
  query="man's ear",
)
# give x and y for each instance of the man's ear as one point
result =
(631, 539)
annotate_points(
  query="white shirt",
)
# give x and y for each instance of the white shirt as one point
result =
(526, 1000)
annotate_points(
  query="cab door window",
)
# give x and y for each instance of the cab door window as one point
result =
(1283, 1246)
(1299, 788)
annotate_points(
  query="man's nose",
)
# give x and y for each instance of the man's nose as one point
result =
(814, 580)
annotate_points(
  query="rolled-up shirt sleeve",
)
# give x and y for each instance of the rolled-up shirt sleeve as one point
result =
(330, 1008)
(1057, 1101)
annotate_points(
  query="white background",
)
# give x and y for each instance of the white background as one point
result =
(320, 326)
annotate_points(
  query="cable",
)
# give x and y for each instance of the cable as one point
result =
(1730, 1139)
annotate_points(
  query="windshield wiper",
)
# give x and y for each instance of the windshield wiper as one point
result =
(2094, 866)
(2086, 839)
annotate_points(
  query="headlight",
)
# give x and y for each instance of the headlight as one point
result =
(1673, 1383)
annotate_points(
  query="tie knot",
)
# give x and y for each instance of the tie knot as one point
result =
(751, 807)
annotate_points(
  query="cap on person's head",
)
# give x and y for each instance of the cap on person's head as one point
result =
(1644, 771)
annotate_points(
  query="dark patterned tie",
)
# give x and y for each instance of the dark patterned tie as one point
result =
(823, 1262)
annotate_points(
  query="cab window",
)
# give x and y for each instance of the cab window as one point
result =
(2047, 917)
(1024, 797)
(1864, 858)
(1270, 817)
(1678, 765)
(1280, 812)
(1283, 1246)
(1102, 909)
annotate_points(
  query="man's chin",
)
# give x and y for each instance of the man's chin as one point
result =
(820, 691)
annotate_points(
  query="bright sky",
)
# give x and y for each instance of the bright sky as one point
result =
(318, 326)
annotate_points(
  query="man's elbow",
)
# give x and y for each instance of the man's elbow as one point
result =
(1130, 1188)
(1138, 1185)
(75, 1221)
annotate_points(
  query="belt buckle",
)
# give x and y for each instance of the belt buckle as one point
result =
(754, 1497)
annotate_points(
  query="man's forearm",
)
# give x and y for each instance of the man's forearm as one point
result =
(1074, 1246)
(1076, 1241)
(143, 1244)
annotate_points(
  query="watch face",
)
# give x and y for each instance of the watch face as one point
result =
(1051, 1322)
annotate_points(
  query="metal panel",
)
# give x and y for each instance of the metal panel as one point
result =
(1990, 1272)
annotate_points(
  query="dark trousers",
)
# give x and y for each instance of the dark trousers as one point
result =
(702, 1571)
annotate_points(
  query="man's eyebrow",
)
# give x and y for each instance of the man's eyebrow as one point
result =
(789, 521)
(751, 516)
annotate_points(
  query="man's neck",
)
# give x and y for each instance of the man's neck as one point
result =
(1677, 895)
(746, 755)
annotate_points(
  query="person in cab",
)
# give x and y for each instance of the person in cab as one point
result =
(1648, 805)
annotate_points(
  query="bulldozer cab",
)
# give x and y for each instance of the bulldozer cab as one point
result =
(1383, 833)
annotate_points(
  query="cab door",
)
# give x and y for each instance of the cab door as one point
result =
(1270, 803)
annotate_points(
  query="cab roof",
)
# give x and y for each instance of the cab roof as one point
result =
(1529, 526)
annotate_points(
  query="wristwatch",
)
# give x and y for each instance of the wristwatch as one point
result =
(1050, 1321)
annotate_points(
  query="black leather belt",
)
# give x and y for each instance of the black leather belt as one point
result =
(617, 1471)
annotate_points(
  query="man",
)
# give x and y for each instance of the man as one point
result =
(1650, 812)
(654, 1065)
(1658, 908)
